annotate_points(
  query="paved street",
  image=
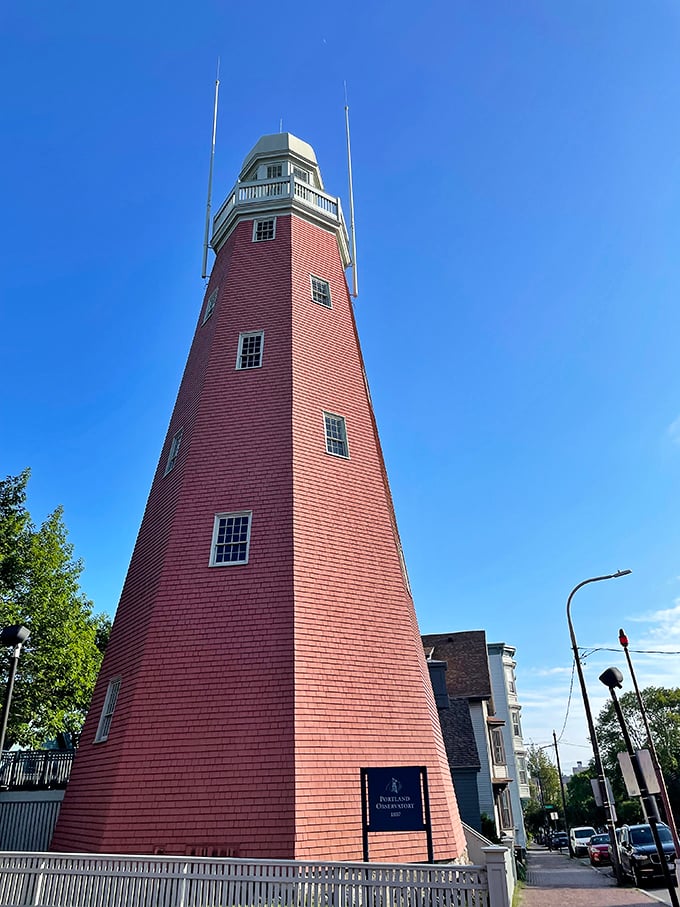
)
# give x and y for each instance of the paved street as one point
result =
(553, 880)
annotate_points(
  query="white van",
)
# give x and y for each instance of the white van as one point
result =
(579, 837)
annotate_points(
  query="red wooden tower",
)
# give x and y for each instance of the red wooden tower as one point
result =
(265, 647)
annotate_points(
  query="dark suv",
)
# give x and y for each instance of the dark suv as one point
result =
(639, 857)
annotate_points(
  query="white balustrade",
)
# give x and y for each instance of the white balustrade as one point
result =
(87, 880)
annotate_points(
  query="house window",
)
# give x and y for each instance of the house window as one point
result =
(301, 174)
(497, 746)
(510, 678)
(274, 171)
(264, 229)
(522, 768)
(210, 305)
(107, 712)
(250, 349)
(321, 291)
(174, 450)
(231, 539)
(516, 723)
(505, 809)
(336, 435)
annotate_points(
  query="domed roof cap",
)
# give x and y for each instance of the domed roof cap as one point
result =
(281, 144)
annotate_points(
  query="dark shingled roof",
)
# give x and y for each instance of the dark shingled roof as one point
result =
(467, 676)
(459, 737)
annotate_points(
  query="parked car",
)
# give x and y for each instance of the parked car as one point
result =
(559, 840)
(598, 850)
(578, 839)
(639, 856)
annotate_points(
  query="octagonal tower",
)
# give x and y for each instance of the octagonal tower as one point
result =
(265, 647)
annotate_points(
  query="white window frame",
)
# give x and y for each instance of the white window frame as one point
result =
(498, 754)
(329, 439)
(264, 220)
(242, 337)
(301, 174)
(215, 539)
(505, 809)
(174, 451)
(106, 717)
(326, 285)
(210, 304)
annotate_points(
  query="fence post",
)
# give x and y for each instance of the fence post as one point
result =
(500, 885)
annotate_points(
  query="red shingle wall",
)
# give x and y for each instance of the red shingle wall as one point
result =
(200, 753)
(362, 691)
(251, 695)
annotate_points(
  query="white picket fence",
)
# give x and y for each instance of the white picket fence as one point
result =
(87, 880)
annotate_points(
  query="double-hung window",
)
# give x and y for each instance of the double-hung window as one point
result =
(107, 712)
(264, 229)
(336, 435)
(210, 305)
(231, 538)
(250, 350)
(321, 291)
(174, 451)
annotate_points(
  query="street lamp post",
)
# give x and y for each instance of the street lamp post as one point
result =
(608, 812)
(14, 636)
(612, 678)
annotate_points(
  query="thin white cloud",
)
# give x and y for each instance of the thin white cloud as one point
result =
(547, 672)
(674, 431)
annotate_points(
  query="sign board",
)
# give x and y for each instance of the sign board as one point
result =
(646, 767)
(597, 793)
(393, 799)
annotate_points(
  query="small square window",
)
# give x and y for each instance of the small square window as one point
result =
(301, 174)
(210, 305)
(231, 539)
(336, 435)
(250, 350)
(321, 291)
(107, 712)
(274, 171)
(174, 451)
(264, 229)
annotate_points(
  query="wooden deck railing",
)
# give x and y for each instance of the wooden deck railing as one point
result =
(35, 769)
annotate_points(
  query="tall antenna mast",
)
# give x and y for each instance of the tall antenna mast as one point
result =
(352, 236)
(204, 272)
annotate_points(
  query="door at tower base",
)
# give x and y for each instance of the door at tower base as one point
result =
(265, 647)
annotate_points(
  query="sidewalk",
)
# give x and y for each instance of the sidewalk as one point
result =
(553, 880)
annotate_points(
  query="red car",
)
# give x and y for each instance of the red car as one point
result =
(598, 850)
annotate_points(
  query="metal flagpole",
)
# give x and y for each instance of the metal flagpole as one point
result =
(204, 270)
(355, 291)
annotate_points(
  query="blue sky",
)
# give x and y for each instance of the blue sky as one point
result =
(517, 206)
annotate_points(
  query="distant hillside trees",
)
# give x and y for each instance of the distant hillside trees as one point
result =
(545, 791)
(663, 711)
(39, 587)
(662, 705)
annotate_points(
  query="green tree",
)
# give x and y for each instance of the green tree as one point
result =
(39, 587)
(545, 790)
(662, 705)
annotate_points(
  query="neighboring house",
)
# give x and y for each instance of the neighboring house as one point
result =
(468, 679)
(508, 708)
(460, 743)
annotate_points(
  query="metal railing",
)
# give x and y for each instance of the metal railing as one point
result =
(35, 769)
